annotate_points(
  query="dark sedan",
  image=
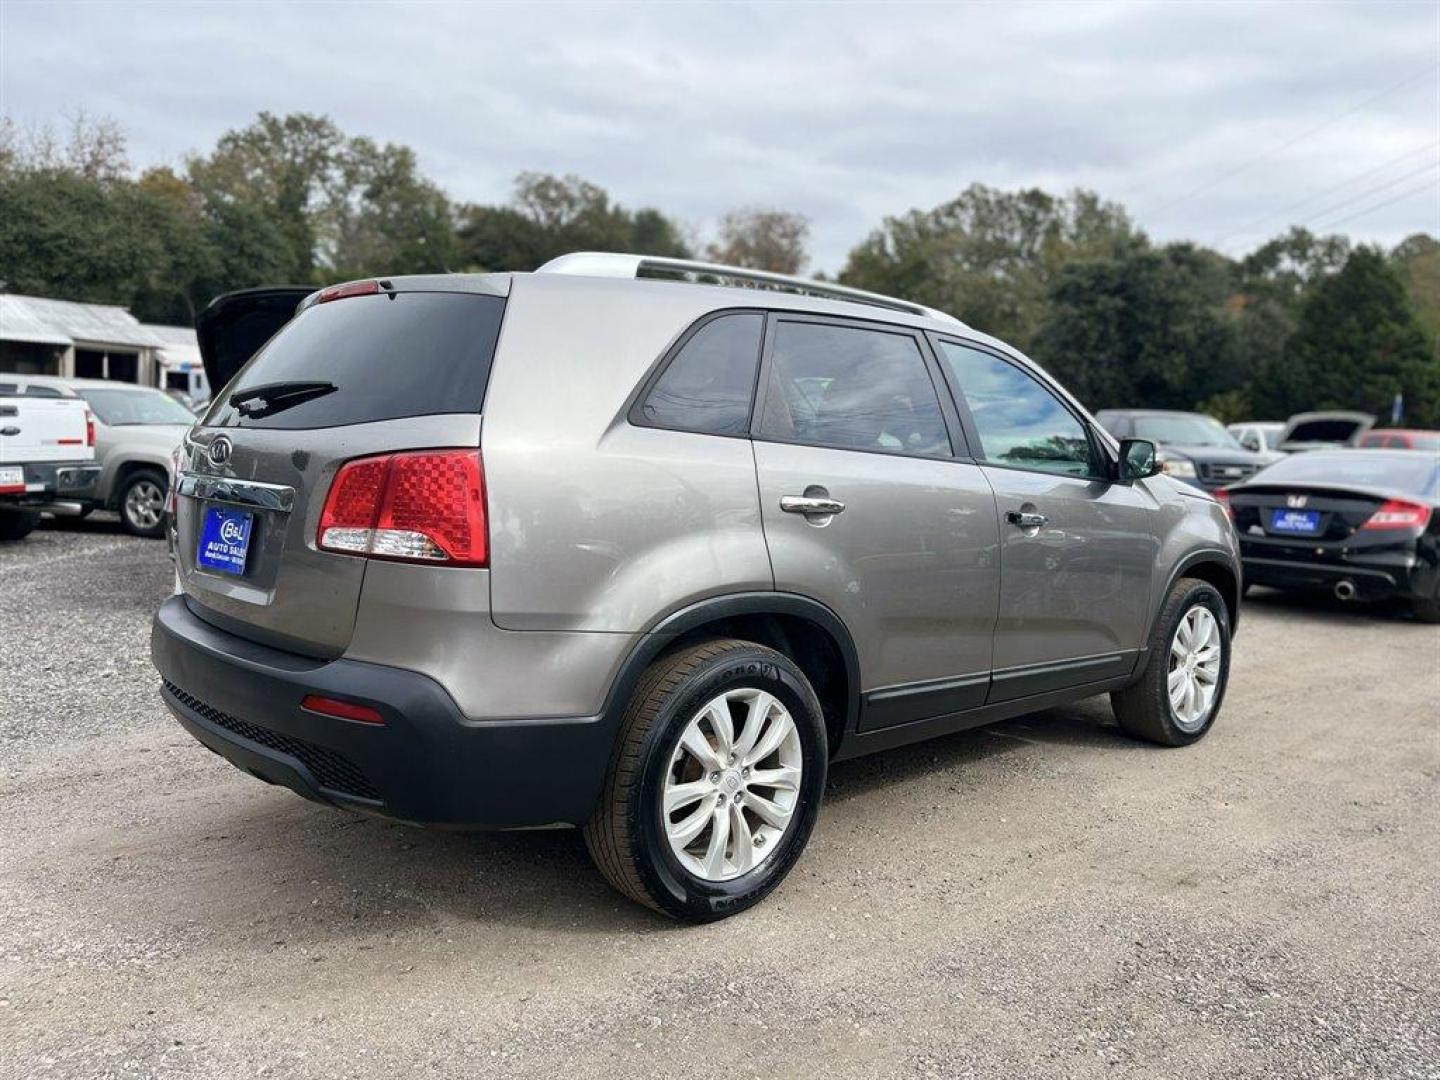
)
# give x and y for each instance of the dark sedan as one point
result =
(1361, 524)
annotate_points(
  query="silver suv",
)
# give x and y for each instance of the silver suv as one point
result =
(619, 545)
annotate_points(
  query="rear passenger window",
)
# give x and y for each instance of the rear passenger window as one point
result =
(853, 388)
(1019, 421)
(708, 384)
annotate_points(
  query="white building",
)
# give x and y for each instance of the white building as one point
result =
(39, 336)
(180, 366)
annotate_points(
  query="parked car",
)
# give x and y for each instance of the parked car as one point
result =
(46, 444)
(1361, 524)
(1324, 430)
(1400, 439)
(136, 429)
(1262, 436)
(697, 542)
(1194, 448)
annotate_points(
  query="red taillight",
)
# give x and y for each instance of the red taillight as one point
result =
(350, 288)
(344, 710)
(1223, 498)
(89, 428)
(422, 506)
(1398, 514)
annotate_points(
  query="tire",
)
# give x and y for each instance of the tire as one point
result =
(1426, 611)
(18, 524)
(629, 835)
(1144, 708)
(139, 513)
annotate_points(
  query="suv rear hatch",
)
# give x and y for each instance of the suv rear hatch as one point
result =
(381, 367)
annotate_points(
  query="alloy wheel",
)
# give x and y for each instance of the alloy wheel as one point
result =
(1194, 678)
(732, 785)
(144, 504)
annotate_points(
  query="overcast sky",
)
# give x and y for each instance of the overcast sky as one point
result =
(1219, 122)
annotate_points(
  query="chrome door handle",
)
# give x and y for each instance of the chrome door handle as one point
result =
(808, 504)
(1023, 520)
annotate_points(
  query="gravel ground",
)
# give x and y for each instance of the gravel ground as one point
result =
(1042, 898)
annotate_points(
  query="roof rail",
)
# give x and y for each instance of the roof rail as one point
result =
(615, 265)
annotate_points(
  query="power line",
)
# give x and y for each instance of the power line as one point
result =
(1381, 205)
(1352, 200)
(1250, 228)
(1257, 159)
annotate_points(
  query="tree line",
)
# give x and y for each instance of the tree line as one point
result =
(1301, 322)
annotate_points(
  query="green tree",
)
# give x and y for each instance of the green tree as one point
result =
(1417, 259)
(1358, 343)
(551, 215)
(1142, 328)
(762, 239)
(390, 219)
(289, 169)
(989, 257)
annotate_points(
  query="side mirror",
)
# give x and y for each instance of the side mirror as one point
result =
(1137, 459)
(1251, 442)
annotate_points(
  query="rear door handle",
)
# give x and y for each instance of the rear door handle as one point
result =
(809, 504)
(1023, 520)
(9, 431)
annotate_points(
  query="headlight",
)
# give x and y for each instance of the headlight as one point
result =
(1180, 468)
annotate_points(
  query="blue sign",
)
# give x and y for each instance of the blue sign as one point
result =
(225, 540)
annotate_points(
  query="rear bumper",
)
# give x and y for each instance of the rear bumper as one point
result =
(46, 480)
(1372, 580)
(427, 763)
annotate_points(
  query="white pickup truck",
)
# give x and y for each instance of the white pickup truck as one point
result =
(46, 444)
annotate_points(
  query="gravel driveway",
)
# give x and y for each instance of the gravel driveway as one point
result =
(1042, 898)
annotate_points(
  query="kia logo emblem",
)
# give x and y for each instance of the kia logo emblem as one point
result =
(220, 449)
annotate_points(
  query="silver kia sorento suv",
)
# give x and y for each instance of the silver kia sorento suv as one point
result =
(620, 545)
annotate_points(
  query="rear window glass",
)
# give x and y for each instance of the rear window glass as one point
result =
(386, 356)
(1417, 473)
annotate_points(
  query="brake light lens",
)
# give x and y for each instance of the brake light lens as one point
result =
(422, 506)
(344, 710)
(1399, 514)
(89, 428)
(350, 288)
(1223, 498)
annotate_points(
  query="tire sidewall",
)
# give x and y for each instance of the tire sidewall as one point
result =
(1207, 595)
(672, 886)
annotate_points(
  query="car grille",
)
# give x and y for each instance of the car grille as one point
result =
(1226, 474)
(332, 770)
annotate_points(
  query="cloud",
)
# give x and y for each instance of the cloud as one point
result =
(846, 113)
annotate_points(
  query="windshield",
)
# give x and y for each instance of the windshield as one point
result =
(139, 406)
(1186, 429)
(1417, 473)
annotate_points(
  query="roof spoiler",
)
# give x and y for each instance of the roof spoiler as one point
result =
(616, 265)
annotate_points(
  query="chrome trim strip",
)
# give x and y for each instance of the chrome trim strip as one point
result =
(240, 492)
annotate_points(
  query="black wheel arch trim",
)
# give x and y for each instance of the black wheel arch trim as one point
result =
(1226, 559)
(674, 626)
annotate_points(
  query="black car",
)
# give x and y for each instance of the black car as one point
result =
(1194, 448)
(1362, 524)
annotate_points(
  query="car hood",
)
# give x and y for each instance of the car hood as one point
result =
(233, 327)
(1218, 455)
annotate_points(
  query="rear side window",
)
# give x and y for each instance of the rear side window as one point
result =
(853, 388)
(1019, 421)
(708, 384)
(387, 356)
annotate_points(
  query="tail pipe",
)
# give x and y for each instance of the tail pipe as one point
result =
(1345, 589)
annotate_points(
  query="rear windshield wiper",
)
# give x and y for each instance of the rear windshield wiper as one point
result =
(273, 397)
